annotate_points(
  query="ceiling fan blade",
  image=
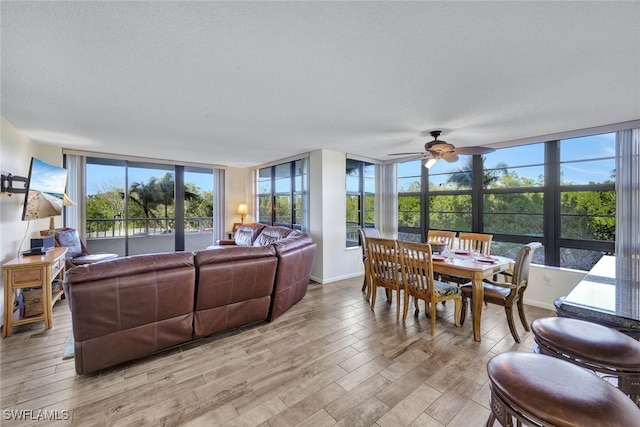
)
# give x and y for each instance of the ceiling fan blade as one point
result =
(450, 157)
(405, 154)
(474, 150)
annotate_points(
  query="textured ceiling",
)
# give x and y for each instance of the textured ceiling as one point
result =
(245, 83)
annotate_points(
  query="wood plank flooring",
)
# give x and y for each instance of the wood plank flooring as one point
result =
(328, 361)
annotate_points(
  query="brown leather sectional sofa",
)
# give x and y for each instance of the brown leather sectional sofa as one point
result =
(126, 308)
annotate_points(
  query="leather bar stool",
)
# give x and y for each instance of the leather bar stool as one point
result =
(540, 390)
(606, 351)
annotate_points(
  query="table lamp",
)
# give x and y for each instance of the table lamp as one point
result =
(242, 211)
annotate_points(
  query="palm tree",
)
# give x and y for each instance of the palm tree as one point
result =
(166, 190)
(146, 196)
(464, 176)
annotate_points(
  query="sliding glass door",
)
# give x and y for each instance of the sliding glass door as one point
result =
(141, 207)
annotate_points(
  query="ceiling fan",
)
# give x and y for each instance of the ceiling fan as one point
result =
(438, 149)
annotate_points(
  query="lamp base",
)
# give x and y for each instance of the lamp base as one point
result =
(52, 227)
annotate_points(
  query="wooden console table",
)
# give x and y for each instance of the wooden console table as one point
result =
(32, 271)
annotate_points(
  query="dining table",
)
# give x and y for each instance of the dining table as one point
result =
(475, 269)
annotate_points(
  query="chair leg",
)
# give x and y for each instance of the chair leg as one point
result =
(406, 305)
(463, 311)
(374, 293)
(491, 420)
(457, 314)
(523, 319)
(432, 310)
(512, 326)
(365, 282)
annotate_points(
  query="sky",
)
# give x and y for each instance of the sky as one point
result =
(100, 175)
(576, 149)
(589, 158)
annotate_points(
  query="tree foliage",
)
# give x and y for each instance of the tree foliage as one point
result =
(153, 199)
(586, 215)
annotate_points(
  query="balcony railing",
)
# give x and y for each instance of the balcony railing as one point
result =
(120, 227)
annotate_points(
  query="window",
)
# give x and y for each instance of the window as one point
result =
(513, 196)
(361, 198)
(559, 193)
(587, 200)
(410, 201)
(450, 205)
(283, 198)
(137, 207)
(444, 203)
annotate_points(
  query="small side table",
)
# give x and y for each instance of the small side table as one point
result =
(33, 271)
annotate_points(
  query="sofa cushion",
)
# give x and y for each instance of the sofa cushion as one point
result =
(272, 234)
(234, 287)
(246, 234)
(129, 307)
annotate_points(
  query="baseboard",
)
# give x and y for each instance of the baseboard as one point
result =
(336, 279)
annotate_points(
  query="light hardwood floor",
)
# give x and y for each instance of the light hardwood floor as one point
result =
(328, 361)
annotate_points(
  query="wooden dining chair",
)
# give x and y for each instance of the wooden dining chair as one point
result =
(475, 241)
(418, 282)
(468, 242)
(364, 233)
(507, 294)
(442, 236)
(384, 269)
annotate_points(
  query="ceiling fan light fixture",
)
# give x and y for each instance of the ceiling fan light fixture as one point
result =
(430, 162)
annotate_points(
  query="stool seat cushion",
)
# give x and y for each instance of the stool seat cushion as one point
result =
(588, 342)
(558, 392)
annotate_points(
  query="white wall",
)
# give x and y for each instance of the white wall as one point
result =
(548, 283)
(328, 218)
(238, 189)
(16, 151)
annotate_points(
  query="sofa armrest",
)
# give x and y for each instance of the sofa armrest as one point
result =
(223, 242)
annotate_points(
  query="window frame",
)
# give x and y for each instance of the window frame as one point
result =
(551, 239)
(352, 238)
(293, 194)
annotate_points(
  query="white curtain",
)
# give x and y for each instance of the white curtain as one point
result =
(387, 197)
(75, 183)
(303, 172)
(218, 204)
(628, 222)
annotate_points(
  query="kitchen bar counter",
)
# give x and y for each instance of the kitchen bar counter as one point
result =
(602, 298)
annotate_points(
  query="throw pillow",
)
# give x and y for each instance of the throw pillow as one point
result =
(71, 240)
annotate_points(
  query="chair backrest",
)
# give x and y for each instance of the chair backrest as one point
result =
(522, 265)
(417, 269)
(441, 236)
(383, 261)
(363, 233)
(475, 241)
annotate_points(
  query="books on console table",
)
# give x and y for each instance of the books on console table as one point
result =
(37, 251)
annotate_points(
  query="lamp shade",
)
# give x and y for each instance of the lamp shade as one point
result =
(242, 209)
(66, 201)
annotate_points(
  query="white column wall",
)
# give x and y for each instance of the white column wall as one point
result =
(328, 219)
